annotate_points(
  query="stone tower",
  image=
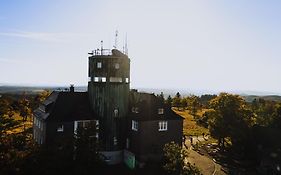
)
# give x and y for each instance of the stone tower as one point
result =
(108, 88)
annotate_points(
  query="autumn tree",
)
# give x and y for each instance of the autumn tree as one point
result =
(277, 116)
(205, 99)
(230, 117)
(14, 147)
(193, 104)
(6, 120)
(39, 98)
(184, 103)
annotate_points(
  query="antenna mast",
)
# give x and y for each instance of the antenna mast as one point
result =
(126, 46)
(116, 39)
(101, 46)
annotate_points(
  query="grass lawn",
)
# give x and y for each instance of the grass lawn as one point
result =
(190, 126)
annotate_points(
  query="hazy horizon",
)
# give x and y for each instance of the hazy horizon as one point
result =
(196, 45)
(166, 91)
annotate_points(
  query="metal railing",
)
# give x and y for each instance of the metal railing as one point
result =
(101, 52)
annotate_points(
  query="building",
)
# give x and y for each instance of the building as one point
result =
(152, 125)
(132, 126)
(58, 117)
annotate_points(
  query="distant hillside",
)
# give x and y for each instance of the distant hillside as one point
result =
(250, 98)
(35, 89)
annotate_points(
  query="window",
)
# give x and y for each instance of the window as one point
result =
(135, 125)
(79, 124)
(97, 124)
(100, 79)
(89, 79)
(60, 128)
(41, 140)
(160, 111)
(135, 110)
(103, 79)
(115, 79)
(117, 66)
(116, 112)
(96, 79)
(39, 123)
(127, 80)
(99, 65)
(85, 124)
(115, 141)
(163, 126)
(127, 143)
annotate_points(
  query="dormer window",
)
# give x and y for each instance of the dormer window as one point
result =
(135, 110)
(117, 66)
(160, 111)
(127, 80)
(60, 128)
(99, 65)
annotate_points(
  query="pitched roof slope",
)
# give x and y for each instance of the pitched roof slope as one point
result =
(66, 106)
(148, 105)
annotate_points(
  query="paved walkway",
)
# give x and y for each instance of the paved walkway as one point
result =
(206, 165)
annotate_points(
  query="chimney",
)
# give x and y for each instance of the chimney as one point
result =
(71, 89)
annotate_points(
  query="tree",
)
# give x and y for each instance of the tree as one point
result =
(161, 97)
(230, 117)
(14, 147)
(184, 103)
(169, 101)
(205, 99)
(6, 120)
(175, 160)
(39, 99)
(177, 100)
(25, 110)
(264, 111)
(277, 116)
(86, 151)
(193, 104)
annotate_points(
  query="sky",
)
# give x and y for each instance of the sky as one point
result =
(207, 45)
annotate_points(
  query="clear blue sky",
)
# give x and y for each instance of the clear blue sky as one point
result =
(186, 44)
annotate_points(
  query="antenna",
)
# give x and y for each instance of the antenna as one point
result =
(101, 42)
(126, 46)
(116, 39)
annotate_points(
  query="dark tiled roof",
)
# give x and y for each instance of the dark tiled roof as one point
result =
(148, 105)
(65, 106)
